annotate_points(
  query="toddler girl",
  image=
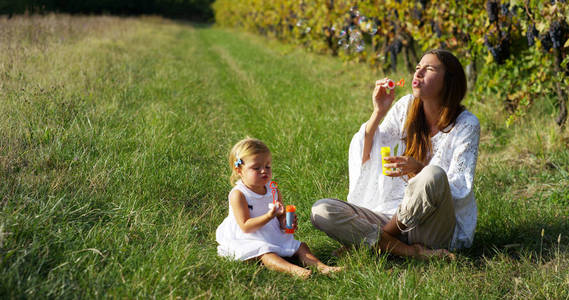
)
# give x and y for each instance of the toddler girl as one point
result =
(252, 230)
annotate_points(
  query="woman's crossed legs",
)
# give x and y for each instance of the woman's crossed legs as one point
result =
(424, 218)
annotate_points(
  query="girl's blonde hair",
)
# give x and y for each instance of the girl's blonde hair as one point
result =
(243, 149)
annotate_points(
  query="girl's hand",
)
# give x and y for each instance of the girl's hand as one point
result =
(280, 208)
(282, 216)
(382, 97)
(273, 212)
(403, 165)
(282, 222)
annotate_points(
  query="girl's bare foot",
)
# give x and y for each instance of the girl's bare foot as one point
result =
(274, 262)
(302, 273)
(328, 270)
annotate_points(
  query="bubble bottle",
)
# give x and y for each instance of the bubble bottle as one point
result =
(385, 151)
(290, 213)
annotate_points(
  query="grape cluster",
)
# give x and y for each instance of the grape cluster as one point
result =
(417, 14)
(436, 29)
(505, 8)
(531, 34)
(557, 34)
(394, 49)
(500, 50)
(492, 10)
(545, 41)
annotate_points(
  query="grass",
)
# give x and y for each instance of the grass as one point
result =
(113, 169)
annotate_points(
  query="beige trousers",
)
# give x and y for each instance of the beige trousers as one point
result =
(427, 211)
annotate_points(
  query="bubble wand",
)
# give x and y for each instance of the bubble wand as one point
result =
(390, 84)
(273, 186)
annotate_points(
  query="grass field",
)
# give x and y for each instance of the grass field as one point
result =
(113, 173)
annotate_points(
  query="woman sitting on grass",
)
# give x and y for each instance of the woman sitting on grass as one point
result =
(424, 204)
(252, 230)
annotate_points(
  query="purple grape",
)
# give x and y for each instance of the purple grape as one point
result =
(545, 41)
(531, 34)
(557, 32)
(505, 8)
(492, 10)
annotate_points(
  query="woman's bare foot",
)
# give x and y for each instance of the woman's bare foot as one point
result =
(302, 273)
(328, 270)
(425, 253)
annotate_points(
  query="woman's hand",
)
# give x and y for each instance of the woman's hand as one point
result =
(403, 165)
(382, 97)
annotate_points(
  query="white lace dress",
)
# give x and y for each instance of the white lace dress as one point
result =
(456, 152)
(236, 244)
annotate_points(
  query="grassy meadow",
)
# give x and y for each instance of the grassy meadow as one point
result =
(114, 174)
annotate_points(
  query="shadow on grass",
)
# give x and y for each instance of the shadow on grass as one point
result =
(516, 240)
(525, 237)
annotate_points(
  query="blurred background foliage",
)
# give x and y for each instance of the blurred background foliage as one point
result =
(514, 51)
(197, 10)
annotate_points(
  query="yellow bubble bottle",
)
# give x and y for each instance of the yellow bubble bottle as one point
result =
(385, 151)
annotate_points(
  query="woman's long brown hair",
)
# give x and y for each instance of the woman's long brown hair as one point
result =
(417, 139)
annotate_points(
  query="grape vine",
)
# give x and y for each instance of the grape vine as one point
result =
(524, 41)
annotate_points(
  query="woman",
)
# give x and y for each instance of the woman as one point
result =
(425, 204)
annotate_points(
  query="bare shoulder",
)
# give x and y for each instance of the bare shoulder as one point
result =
(236, 195)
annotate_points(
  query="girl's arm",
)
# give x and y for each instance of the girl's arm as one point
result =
(241, 212)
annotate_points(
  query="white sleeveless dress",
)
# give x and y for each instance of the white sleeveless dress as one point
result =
(236, 244)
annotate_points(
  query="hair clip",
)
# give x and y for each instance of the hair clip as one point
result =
(238, 162)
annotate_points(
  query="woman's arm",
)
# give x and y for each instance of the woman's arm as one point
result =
(381, 103)
(371, 127)
(464, 157)
(241, 211)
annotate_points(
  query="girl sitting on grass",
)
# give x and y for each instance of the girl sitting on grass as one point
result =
(252, 230)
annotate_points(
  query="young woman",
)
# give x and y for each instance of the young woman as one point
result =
(425, 204)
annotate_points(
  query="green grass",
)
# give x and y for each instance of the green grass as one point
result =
(113, 172)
